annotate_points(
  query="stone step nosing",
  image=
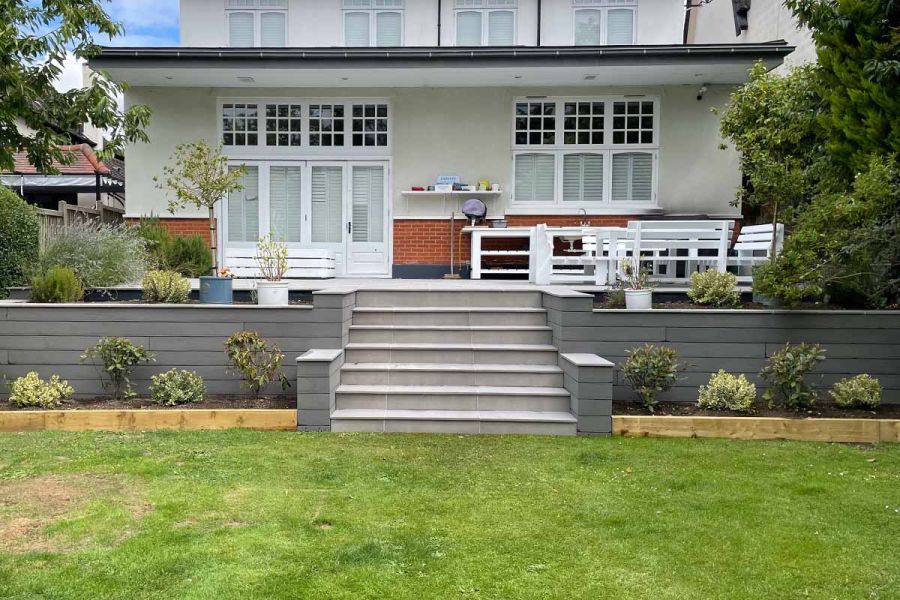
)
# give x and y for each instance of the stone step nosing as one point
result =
(454, 415)
(451, 390)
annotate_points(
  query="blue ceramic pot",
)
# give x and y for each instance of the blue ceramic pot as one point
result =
(216, 290)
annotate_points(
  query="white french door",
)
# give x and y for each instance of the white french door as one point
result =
(339, 206)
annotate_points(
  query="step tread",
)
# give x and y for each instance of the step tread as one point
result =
(423, 390)
(531, 416)
(452, 367)
(424, 346)
(500, 328)
(450, 309)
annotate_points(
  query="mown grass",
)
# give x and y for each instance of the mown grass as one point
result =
(240, 514)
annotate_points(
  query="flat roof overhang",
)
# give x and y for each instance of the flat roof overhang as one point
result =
(438, 66)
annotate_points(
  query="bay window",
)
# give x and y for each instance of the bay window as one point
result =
(373, 23)
(256, 23)
(604, 22)
(485, 22)
(585, 152)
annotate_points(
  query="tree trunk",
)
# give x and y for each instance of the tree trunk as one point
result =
(773, 247)
(213, 241)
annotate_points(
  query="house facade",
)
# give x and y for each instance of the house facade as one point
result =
(344, 112)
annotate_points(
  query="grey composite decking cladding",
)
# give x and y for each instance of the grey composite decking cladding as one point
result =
(50, 339)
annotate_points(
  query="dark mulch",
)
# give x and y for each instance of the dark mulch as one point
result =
(828, 411)
(211, 402)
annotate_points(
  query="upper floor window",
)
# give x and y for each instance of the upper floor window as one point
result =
(373, 23)
(605, 22)
(485, 22)
(255, 23)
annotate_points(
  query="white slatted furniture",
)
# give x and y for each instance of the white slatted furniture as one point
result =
(479, 234)
(753, 248)
(593, 263)
(698, 245)
(308, 263)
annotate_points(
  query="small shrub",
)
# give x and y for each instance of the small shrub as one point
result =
(100, 255)
(786, 375)
(862, 391)
(156, 237)
(727, 392)
(254, 359)
(271, 257)
(615, 298)
(166, 286)
(712, 288)
(189, 255)
(649, 371)
(119, 357)
(58, 284)
(31, 390)
(19, 231)
(177, 387)
(633, 275)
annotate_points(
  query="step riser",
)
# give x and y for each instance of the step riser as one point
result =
(463, 336)
(450, 402)
(499, 357)
(463, 427)
(448, 298)
(451, 378)
(460, 319)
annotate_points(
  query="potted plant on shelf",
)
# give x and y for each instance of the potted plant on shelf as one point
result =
(199, 175)
(271, 257)
(635, 280)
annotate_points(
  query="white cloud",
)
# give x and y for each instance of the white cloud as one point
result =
(71, 76)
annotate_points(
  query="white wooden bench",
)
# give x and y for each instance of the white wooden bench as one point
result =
(306, 263)
(592, 263)
(753, 248)
(664, 245)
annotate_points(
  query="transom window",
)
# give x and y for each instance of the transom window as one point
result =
(585, 151)
(485, 22)
(605, 22)
(256, 23)
(313, 124)
(373, 23)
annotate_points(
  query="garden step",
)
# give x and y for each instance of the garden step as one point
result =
(452, 397)
(453, 334)
(451, 353)
(450, 315)
(452, 374)
(454, 421)
(456, 298)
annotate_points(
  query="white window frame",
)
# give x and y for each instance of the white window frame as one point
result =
(373, 8)
(256, 10)
(485, 7)
(604, 6)
(261, 151)
(559, 150)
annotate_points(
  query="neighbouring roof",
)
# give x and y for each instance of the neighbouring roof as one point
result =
(84, 162)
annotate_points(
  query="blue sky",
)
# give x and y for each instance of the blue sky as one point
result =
(147, 22)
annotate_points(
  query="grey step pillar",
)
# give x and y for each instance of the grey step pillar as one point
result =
(318, 376)
(589, 379)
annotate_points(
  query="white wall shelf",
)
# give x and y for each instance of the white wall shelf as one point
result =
(453, 193)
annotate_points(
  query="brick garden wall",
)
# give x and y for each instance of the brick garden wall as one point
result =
(183, 227)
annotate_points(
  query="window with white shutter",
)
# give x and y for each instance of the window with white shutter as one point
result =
(240, 29)
(468, 28)
(368, 204)
(535, 177)
(254, 23)
(604, 22)
(632, 177)
(485, 22)
(583, 178)
(587, 27)
(620, 27)
(388, 29)
(327, 204)
(373, 23)
(243, 208)
(284, 203)
(356, 28)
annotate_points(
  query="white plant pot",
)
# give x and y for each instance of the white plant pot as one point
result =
(272, 293)
(638, 299)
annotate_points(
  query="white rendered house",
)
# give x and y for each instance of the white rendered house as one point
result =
(575, 109)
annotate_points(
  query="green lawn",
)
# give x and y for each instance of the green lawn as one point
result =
(216, 515)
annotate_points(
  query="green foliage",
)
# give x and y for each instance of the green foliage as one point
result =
(633, 275)
(118, 357)
(650, 370)
(727, 392)
(712, 288)
(32, 391)
(858, 47)
(176, 387)
(35, 40)
(188, 255)
(166, 286)
(271, 256)
(862, 391)
(19, 230)
(198, 175)
(786, 374)
(101, 255)
(58, 284)
(845, 246)
(258, 362)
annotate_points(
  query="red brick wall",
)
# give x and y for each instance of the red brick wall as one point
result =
(184, 226)
(427, 241)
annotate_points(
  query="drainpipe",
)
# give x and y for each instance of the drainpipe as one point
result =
(439, 23)
(539, 13)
